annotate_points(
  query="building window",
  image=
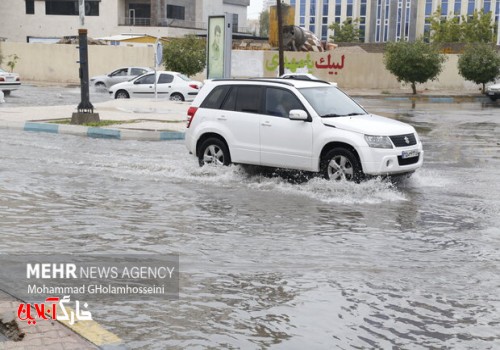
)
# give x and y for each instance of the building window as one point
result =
(470, 7)
(487, 6)
(70, 7)
(324, 26)
(444, 8)
(349, 8)
(235, 22)
(399, 20)
(175, 12)
(458, 7)
(30, 7)
(407, 19)
(362, 20)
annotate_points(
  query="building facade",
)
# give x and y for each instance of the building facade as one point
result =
(46, 20)
(384, 20)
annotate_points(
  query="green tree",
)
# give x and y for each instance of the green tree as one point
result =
(478, 28)
(444, 30)
(347, 32)
(264, 24)
(479, 63)
(413, 62)
(12, 61)
(185, 55)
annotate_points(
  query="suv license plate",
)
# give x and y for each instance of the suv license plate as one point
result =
(410, 154)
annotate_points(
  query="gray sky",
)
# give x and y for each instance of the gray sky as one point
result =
(254, 9)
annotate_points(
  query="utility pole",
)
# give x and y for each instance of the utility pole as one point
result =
(85, 112)
(280, 38)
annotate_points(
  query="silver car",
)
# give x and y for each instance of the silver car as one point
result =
(118, 76)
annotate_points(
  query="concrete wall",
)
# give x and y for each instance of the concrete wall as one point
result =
(350, 67)
(58, 63)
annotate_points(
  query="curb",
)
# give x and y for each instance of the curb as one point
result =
(94, 132)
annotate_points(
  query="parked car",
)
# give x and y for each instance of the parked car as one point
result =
(493, 91)
(118, 76)
(302, 76)
(9, 81)
(297, 124)
(174, 85)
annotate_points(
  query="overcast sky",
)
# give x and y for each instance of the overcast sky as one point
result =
(254, 9)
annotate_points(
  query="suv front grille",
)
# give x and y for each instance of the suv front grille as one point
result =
(404, 140)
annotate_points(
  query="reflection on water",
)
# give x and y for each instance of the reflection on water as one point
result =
(274, 261)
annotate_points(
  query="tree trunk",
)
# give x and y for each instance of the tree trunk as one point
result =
(484, 87)
(414, 88)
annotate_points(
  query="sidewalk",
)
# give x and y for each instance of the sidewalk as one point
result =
(49, 334)
(158, 120)
(146, 119)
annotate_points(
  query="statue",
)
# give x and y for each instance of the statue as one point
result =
(299, 39)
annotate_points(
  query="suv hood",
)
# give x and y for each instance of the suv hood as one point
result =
(370, 124)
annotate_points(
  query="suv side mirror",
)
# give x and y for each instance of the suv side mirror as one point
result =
(298, 114)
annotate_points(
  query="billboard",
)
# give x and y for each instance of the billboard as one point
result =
(219, 45)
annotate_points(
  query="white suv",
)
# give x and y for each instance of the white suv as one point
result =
(297, 124)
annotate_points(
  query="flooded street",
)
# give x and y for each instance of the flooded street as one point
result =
(267, 262)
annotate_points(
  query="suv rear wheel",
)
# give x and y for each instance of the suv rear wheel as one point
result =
(214, 152)
(341, 164)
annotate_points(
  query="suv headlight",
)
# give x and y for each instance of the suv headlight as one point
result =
(378, 141)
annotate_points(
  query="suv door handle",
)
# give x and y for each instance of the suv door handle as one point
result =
(266, 123)
(222, 117)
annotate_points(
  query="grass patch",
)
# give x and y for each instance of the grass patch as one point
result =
(385, 92)
(98, 124)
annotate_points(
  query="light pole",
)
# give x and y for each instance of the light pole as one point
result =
(280, 38)
(85, 111)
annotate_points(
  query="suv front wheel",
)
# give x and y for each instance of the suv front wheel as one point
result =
(341, 164)
(214, 152)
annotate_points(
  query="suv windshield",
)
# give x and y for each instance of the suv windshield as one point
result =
(328, 102)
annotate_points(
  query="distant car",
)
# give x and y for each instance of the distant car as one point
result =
(302, 76)
(173, 85)
(493, 91)
(118, 76)
(9, 81)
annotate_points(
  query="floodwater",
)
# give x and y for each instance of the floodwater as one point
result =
(271, 263)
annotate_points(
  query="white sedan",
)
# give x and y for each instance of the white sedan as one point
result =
(172, 85)
(493, 92)
(9, 81)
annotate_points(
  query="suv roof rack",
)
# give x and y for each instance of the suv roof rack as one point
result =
(255, 79)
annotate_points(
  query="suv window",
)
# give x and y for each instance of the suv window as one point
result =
(244, 99)
(215, 98)
(279, 102)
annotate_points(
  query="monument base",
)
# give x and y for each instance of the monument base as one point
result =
(84, 118)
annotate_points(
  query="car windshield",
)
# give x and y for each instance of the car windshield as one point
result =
(330, 102)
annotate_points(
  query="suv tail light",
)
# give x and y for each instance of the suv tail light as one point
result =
(191, 113)
(194, 86)
(2, 79)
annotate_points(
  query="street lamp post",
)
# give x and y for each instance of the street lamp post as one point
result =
(280, 38)
(85, 111)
